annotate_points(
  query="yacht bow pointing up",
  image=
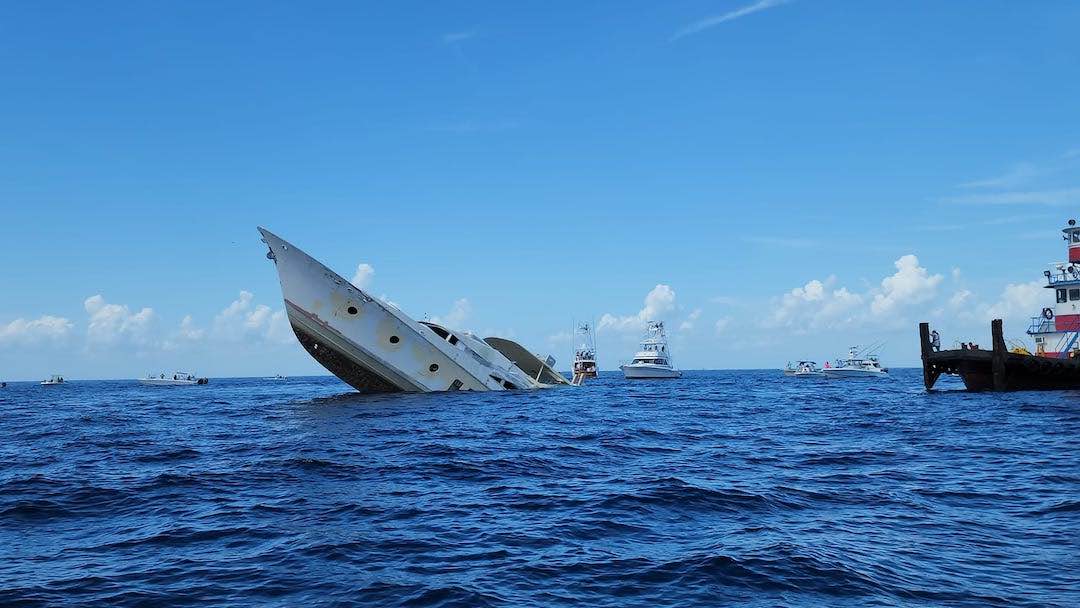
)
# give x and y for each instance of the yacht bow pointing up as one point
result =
(374, 347)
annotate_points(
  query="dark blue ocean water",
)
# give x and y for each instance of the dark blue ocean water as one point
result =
(724, 487)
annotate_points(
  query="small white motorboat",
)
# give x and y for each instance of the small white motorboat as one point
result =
(859, 364)
(806, 369)
(53, 380)
(276, 377)
(177, 379)
(653, 361)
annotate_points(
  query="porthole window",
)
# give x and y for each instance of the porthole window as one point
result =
(434, 367)
(394, 339)
(352, 310)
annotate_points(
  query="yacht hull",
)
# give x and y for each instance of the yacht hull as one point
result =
(649, 372)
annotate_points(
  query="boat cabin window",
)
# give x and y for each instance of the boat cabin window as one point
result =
(1075, 236)
(661, 361)
(1074, 294)
(1061, 296)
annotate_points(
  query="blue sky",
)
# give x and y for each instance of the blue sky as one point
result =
(761, 168)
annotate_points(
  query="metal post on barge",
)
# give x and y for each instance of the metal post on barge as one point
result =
(930, 372)
(997, 358)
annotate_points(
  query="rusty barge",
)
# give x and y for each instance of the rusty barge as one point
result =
(996, 369)
(1055, 363)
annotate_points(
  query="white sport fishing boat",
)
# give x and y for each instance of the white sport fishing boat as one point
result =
(585, 355)
(177, 379)
(859, 364)
(53, 380)
(654, 359)
(375, 347)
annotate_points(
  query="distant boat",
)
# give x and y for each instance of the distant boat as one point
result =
(654, 359)
(276, 377)
(857, 365)
(53, 380)
(803, 369)
(585, 355)
(177, 379)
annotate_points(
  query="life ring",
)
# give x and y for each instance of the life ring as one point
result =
(1048, 313)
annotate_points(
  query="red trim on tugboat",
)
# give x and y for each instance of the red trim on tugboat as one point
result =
(1067, 323)
(1074, 254)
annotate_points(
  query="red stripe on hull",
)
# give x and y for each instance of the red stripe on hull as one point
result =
(1067, 323)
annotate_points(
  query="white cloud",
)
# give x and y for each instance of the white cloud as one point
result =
(472, 127)
(46, 328)
(821, 304)
(1018, 302)
(911, 284)
(711, 22)
(658, 302)
(363, 276)
(815, 305)
(1062, 196)
(778, 241)
(1016, 176)
(690, 320)
(456, 37)
(454, 319)
(115, 323)
(960, 299)
(188, 331)
(722, 324)
(560, 339)
(279, 329)
(241, 321)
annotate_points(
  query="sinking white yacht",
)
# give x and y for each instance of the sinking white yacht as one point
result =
(374, 347)
(859, 364)
(176, 379)
(654, 359)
